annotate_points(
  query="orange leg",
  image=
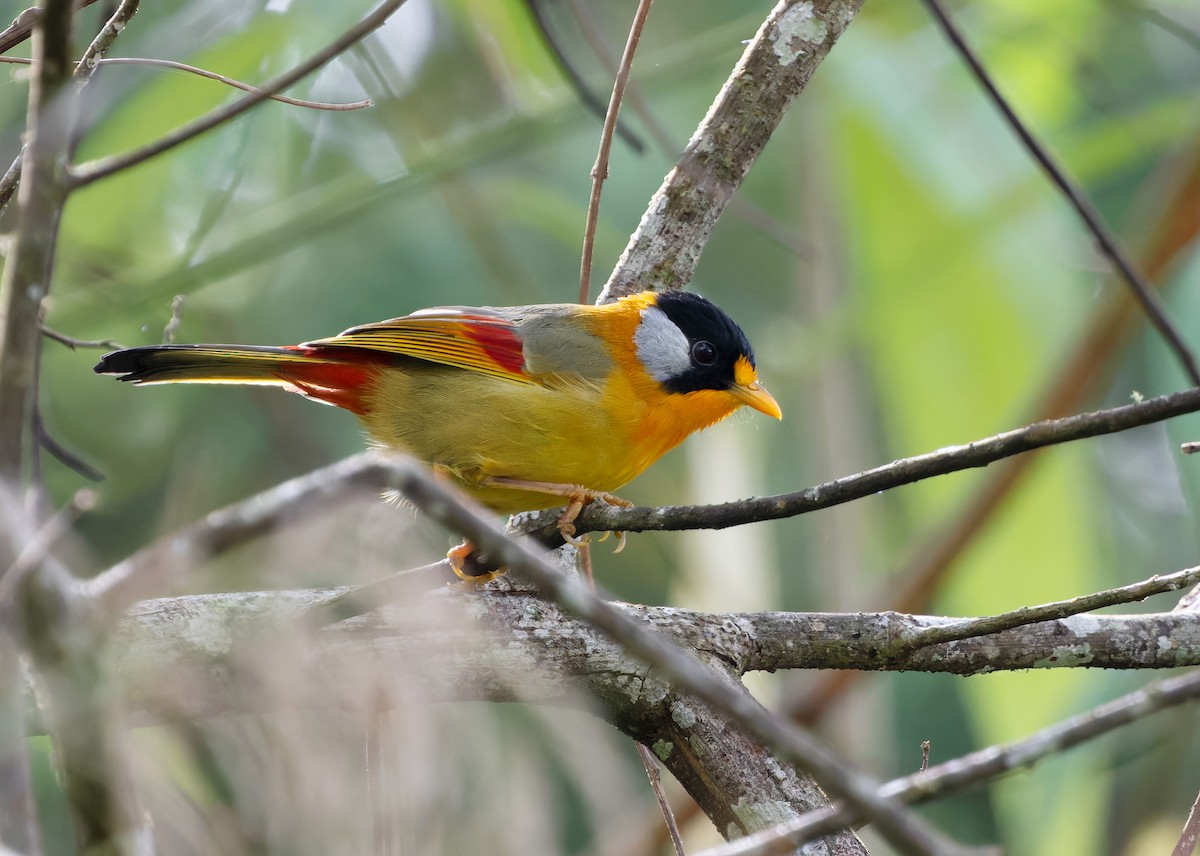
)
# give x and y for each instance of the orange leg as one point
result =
(457, 556)
(577, 497)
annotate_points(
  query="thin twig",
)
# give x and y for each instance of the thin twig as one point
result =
(172, 65)
(1175, 229)
(754, 215)
(24, 23)
(599, 517)
(600, 168)
(73, 343)
(37, 548)
(954, 776)
(84, 69)
(664, 804)
(445, 505)
(975, 627)
(105, 167)
(117, 22)
(59, 452)
(1143, 291)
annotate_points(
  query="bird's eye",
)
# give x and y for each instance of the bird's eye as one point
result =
(704, 353)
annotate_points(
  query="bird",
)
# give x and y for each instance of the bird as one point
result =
(525, 407)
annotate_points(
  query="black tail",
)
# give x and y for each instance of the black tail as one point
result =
(202, 364)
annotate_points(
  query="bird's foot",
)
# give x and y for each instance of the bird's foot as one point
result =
(465, 562)
(577, 497)
(575, 505)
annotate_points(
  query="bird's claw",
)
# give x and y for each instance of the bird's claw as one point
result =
(458, 556)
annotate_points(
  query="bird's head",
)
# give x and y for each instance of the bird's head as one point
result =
(689, 344)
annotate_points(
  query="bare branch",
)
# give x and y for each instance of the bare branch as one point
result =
(600, 168)
(1142, 290)
(73, 343)
(174, 655)
(508, 628)
(1175, 227)
(172, 65)
(104, 167)
(664, 804)
(1061, 609)
(954, 776)
(598, 518)
(158, 568)
(755, 216)
(776, 66)
(24, 23)
(38, 547)
(27, 271)
(439, 501)
(104, 39)
(83, 73)
(879, 641)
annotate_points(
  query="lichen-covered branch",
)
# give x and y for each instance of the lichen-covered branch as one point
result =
(775, 68)
(172, 652)
(178, 659)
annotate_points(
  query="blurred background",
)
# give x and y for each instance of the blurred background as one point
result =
(909, 280)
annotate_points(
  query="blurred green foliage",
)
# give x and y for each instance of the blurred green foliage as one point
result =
(943, 283)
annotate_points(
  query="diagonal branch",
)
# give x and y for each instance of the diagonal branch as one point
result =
(158, 568)
(954, 776)
(902, 828)
(775, 68)
(103, 168)
(1142, 290)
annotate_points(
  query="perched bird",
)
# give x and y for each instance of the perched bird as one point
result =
(524, 406)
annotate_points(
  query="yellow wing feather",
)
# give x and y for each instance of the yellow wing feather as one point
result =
(473, 339)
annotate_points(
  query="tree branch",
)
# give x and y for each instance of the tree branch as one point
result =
(83, 72)
(600, 168)
(482, 646)
(87, 173)
(686, 673)
(599, 518)
(1142, 290)
(990, 763)
(172, 65)
(775, 68)
(159, 568)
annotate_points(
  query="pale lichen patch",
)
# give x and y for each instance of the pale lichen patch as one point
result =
(797, 29)
(754, 815)
(663, 749)
(683, 715)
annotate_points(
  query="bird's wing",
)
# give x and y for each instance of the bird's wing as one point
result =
(471, 338)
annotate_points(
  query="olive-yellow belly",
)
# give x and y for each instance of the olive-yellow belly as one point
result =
(564, 431)
(475, 426)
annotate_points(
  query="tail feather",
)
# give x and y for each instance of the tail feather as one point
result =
(331, 377)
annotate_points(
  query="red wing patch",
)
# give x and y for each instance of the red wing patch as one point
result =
(469, 339)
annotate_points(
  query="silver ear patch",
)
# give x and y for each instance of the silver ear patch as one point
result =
(661, 345)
